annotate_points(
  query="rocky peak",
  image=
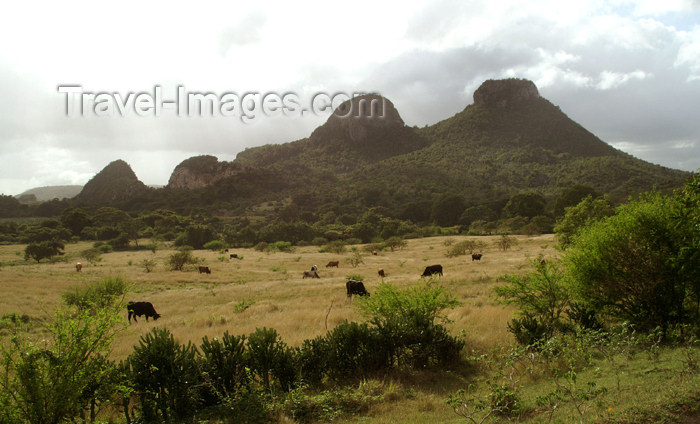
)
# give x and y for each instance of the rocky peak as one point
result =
(502, 93)
(200, 171)
(354, 117)
(115, 183)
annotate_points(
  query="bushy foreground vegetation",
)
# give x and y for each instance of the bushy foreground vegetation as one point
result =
(244, 378)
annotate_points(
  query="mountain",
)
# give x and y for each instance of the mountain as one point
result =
(508, 141)
(115, 185)
(43, 194)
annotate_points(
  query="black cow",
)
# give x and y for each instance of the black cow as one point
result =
(233, 256)
(204, 269)
(476, 256)
(356, 287)
(432, 270)
(136, 309)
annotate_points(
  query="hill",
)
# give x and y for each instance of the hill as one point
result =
(509, 141)
(43, 194)
(116, 184)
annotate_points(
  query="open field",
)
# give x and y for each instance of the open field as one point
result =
(267, 290)
(195, 305)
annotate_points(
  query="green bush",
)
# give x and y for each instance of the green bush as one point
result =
(270, 359)
(406, 323)
(542, 296)
(354, 350)
(215, 245)
(627, 265)
(224, 366)
(165, 375)
(55, 380)
(96, 295)
(336, 246)
(179, 259)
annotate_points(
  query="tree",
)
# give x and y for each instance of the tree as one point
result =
(579, 216)
(572, 196)
(75, 219)
(43, 250)
(477, 213)
(626, 264)
(447, 209)
(525, 204)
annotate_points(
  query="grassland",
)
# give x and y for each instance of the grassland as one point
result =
(267, 290)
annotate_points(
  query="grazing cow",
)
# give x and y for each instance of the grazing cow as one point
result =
(136, 309)
(356, 287)
(431, 270)
(203, 269)
(310, 274)
(78, 266)
(374, 252)
(476, 256)
(333, 263)
(381, 273)
(233, 256)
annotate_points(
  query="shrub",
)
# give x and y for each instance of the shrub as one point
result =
(53, 381)
(626, 264)
(282, 246)
(336, 246)
(506, 242)
(354, 350)
(105, 248)
(464, 247)
(91, 255)
(215, 245)
(542, 296)
(179, 259)
(356, 258)
(148, 264)
(165, 375)
(262, 247)
(224, 365)
(96, 295)
(406, 322)
(270, 359)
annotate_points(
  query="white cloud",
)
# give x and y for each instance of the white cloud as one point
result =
(626, 70)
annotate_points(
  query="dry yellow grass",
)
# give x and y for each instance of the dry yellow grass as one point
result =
(195, 305)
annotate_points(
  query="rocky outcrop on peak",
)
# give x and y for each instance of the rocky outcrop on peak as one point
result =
(200, 171)
(502, 93)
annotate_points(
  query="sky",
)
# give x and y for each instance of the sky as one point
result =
(628, 71)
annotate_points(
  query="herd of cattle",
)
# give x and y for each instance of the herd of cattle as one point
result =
(352, 287)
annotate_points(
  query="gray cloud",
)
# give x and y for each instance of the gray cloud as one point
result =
(246, 31)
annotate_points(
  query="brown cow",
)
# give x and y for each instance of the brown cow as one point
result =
(381, 273)
(476, 256)
(203, 269)
(333, 263)
(374, 252)
(78, 266)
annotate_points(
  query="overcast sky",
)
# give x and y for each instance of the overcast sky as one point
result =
(627, 71)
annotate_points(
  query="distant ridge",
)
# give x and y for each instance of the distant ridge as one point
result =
(46, 193)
